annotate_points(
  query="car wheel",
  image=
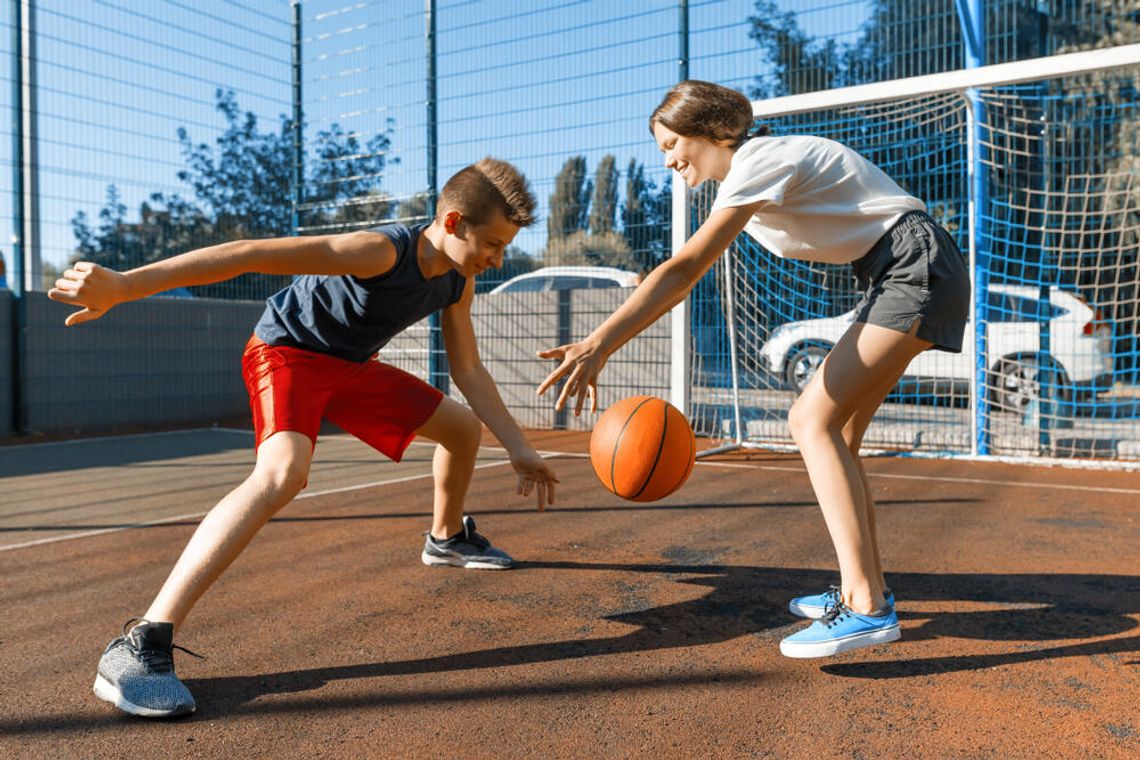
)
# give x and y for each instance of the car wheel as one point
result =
(1016, 382)
(802, 365)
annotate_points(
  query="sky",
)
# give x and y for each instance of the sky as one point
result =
(533, 83)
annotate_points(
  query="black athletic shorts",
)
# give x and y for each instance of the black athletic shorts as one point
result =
(916, 273)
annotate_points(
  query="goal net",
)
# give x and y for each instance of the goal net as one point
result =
(1032, 168)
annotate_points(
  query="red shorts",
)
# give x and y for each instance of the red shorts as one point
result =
(293, 389)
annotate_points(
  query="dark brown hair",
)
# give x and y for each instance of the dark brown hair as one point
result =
(489, 184)
(702, 109)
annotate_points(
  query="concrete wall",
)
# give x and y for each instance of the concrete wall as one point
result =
(154, 362)
(171, 361)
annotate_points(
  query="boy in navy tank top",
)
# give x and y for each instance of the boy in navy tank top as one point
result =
(313, 356)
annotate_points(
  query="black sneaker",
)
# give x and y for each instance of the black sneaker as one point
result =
(136, 673)
(467, 549)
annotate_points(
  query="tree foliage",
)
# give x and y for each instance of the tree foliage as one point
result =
(570, 201)
(242, 188)
(646, 216)
(603, 207)
(582, 225)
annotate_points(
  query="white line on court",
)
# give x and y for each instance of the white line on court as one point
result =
(545, 454)
(192, 515)
(101, 438)
(942, 479)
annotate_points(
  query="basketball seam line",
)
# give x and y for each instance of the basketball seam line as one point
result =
(660, 448)
(617, 443)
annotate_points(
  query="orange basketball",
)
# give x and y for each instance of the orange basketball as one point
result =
(642, 448)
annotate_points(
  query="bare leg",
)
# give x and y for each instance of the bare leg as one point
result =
(280, 472)
(853, 433)
(866, 357)
(458, 432)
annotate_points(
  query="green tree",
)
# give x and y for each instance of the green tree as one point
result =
(413, 209)
(571, 199)
(800, 63)
(581, 248)
(603, 208)
(645, 216)
(242, 189)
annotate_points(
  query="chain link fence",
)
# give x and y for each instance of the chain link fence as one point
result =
(138, 130)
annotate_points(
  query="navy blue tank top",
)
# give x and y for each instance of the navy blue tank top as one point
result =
(353, 317)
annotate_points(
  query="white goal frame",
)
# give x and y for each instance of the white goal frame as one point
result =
(961, 81)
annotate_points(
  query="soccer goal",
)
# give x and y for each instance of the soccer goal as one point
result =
(1032, 167)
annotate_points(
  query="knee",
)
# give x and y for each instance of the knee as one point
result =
(804, 421)
(468, 432)
(282, 480)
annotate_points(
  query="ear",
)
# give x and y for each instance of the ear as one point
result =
(451, 221)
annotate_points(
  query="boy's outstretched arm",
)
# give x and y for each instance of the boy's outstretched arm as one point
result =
(663, 289)
(480, 390)
(96, 289)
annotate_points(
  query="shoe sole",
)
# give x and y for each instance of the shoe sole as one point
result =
(837, 646)
(433, 560)
(108, 692)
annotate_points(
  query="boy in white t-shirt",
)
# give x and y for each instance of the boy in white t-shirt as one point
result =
(805, 198)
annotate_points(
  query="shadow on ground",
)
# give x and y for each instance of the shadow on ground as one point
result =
(1023, 612)
(1028, 609)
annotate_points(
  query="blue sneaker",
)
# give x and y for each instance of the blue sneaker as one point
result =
(815, 606)
(841, 630)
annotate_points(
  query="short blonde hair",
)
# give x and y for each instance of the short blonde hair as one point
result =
(486, 185)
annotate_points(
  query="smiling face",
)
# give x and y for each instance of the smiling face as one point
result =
(475, 248)
(696, 159)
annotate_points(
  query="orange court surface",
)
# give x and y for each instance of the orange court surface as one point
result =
(628, 630)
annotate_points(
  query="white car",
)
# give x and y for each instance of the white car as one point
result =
(568, 278)
(1079, 355)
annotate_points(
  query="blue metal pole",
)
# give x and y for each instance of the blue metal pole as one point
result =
(298, 126)
(437, 352)
(683, 42)
(19, 222)
(971, 16)
(1046, 377)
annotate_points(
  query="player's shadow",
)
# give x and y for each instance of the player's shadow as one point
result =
(1030, 609)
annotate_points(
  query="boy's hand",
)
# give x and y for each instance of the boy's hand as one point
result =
(534, 475)
(91, 286)
(583, 363)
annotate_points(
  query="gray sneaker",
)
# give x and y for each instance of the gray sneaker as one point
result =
(136, 673)
(466, 549)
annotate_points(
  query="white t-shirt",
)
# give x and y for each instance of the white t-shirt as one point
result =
(822, 201)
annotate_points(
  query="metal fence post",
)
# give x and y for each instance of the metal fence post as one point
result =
(298, 126)
(25, 253)
(971, 16)
(679, 361)
(437, 353)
